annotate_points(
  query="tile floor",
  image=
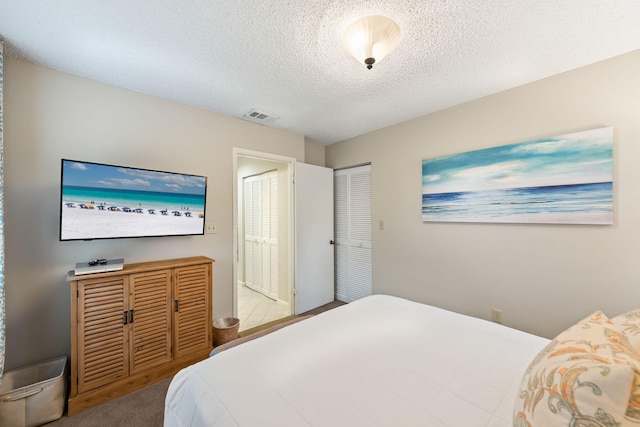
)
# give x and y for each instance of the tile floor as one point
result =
(254, 309)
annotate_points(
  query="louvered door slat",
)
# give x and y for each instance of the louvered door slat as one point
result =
(151, 303)
(192, 321)
(99, 339)
(102, 341)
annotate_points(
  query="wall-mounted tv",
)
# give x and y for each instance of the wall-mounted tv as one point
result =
(100, 201)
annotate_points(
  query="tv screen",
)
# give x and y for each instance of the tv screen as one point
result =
(99, 201)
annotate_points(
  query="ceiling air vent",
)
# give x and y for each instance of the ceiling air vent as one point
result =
(259, 117)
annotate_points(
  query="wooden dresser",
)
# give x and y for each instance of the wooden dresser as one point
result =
(133, 327)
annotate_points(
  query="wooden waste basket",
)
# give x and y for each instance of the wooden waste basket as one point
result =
(225, 330)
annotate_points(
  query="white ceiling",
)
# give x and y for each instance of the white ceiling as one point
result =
(285, 58)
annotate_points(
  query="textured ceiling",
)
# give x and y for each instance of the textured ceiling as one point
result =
(285, 58)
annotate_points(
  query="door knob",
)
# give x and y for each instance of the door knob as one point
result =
(331, 242)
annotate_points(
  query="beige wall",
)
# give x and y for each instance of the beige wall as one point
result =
(543, 277)
(50, 115)
(314, 152)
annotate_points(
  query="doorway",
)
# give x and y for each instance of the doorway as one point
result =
(263, 242)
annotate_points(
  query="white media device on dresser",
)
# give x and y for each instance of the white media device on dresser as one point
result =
(136, 326)
(99, 266)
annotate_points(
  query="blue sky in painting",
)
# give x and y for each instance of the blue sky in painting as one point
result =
(84, 174)
(583, 157)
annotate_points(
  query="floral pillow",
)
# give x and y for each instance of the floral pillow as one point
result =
(629, 323)
(589, 375)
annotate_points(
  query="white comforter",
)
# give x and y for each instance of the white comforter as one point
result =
(379, 361)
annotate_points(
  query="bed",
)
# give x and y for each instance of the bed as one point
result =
(379, 361)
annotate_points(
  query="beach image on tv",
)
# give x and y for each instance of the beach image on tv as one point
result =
(106, 201)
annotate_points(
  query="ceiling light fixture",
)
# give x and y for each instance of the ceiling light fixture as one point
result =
(371, 38)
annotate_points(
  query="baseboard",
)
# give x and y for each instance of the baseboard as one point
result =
(282, 302)
(342, 298)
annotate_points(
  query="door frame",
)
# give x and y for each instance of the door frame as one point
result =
(290, 162)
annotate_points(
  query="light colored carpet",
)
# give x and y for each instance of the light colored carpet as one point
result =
(141, 408)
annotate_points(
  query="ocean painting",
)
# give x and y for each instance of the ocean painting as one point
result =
(566, 179)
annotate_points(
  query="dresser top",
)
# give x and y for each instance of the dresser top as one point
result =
(143, 266)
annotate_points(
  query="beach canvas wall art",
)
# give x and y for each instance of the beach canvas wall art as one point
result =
(101, 201)
(566, 179)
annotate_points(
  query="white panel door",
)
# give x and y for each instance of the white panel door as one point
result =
(353, 233)
(248, 232)
(256, 233)
(314, 258)
(265, 219)
(274, 279)
(341, 211)
(261, 233)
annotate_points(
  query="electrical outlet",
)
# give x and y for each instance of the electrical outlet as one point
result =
(211, 228)
(496, 315)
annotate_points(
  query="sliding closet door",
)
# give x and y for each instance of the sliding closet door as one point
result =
(261, 233)
(352, 195)
(270, 284)
(248, 231)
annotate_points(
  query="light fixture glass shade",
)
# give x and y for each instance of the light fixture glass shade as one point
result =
(371, 38)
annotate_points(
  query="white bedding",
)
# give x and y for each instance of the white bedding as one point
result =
(379, 361)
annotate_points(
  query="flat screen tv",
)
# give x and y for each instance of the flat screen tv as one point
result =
(100, 201)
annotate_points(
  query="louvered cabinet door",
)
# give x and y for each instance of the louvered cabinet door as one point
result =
(150, 319)
(101, 331)
(192, 309)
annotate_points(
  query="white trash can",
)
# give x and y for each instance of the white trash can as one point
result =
(33, 395)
